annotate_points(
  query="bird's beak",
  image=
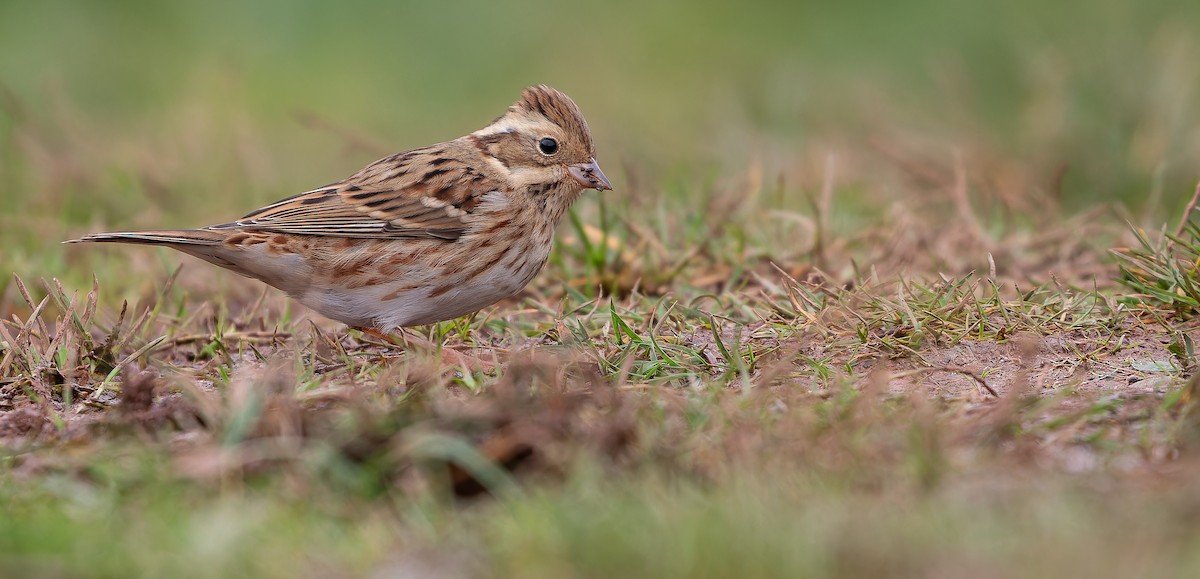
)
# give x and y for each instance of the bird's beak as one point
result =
(590, 176)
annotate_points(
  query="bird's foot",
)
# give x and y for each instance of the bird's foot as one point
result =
(449, 356)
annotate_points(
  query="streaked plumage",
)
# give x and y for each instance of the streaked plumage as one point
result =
(421, 236)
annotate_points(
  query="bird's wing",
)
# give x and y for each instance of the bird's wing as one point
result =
(421, 193)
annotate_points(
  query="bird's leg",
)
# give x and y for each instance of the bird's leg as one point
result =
(378, 335)
(449, 356)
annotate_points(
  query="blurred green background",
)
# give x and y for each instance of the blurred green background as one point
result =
(137, 114)
(144, 114)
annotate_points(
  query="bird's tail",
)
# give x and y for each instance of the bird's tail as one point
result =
(169, 237)
(205, 244)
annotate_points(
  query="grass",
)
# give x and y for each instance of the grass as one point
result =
(1161, 272)
(860, 305)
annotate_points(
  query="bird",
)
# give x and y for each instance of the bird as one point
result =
(418, 237)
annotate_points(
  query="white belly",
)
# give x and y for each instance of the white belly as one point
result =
(367, 306)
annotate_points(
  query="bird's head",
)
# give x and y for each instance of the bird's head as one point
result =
(543, 139)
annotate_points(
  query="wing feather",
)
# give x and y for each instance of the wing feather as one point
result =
(423, 193)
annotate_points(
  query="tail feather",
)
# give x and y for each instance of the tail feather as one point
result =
(155, 237)
(205, 244)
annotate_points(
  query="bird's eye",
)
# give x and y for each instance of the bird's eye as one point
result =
(548, 146)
